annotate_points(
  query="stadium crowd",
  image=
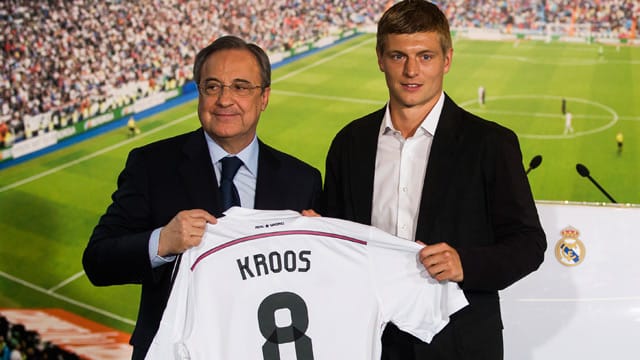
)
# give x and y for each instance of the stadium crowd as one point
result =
(76, 59)
(18, 343)
(83, 57)
(614, 17)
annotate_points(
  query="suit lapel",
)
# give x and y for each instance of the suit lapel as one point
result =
(364, 144)
(268, 182)
(199, 177)
(444, 150)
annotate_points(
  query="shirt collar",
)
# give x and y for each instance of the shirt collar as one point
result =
(248, 155)
(429, 124)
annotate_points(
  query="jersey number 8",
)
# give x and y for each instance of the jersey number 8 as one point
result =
(295, 332)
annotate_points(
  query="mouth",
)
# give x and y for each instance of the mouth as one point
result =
(224, 114)
(411, 86)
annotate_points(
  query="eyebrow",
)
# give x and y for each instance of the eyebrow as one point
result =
(236, 80)
(421, 52)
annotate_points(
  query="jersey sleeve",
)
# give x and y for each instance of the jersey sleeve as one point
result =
(409, 297)
(176, 319)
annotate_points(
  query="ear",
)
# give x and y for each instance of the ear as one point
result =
(265, 98)
(380, 64)
(448, 58)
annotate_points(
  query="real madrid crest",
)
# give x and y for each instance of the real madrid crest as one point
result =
(570, 251)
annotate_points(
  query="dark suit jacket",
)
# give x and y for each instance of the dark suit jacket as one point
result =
(158, 181)
(475, 197)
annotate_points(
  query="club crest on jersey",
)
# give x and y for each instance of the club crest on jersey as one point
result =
(570, 251)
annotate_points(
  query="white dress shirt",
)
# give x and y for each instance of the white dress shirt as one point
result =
(246, 177)
(400, 170)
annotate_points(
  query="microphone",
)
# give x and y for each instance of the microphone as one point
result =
(534, 163)
(584, 172)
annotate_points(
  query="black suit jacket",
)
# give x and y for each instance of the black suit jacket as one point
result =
(476, 197)
(158, 181)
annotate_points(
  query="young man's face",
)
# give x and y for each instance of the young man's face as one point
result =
(414, 67)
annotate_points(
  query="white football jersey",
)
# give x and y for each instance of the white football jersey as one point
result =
(276, 285)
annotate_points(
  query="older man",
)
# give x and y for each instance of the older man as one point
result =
(170, 189)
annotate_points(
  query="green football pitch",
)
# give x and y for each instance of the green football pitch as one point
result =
(50, 204)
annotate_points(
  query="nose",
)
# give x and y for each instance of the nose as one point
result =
(224, 97)
(411, 67)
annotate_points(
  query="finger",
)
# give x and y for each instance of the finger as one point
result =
(310, 213)
(442, 276)
(439, 259)
(435, 264)
(429, 250)
(441, 271)
(446, 271)
(197, 228)
(428, 261)
(196, 218)
(428, 255)
(436, 271)
(191, 239)
(199, 214)
(198, 224)
(206, 216)
(196, 240)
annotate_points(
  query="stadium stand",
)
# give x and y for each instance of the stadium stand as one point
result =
(75, 60)
(607, 18)
(16, 342)
(81, 58)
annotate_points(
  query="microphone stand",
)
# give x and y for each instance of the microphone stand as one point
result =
(584, 172)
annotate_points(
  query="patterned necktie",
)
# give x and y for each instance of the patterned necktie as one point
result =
(228, 191)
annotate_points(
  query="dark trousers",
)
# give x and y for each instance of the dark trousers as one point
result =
(450, 344)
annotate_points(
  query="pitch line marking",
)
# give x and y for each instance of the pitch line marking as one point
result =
(328, 97)
(67, 299)
(568, 62)
(613, 113)
(552, 116)
(324, 60)
(66, 281)
(92, 155)
(630, 118)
